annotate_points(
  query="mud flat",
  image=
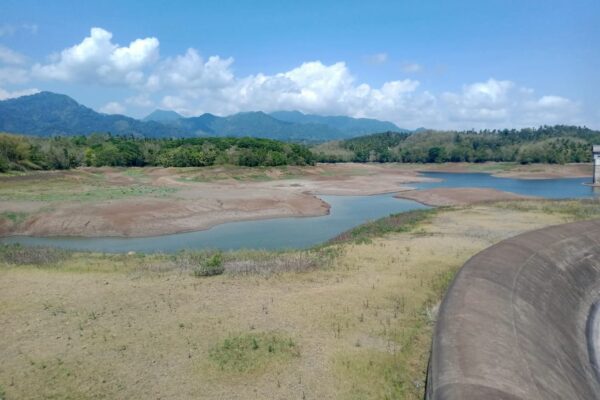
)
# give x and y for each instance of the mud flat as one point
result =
(156, 201)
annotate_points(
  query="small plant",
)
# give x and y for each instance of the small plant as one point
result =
(252, 351)
(212, 265)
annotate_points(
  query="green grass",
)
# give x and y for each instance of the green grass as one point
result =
(15, 217)
(573, 210)
(79, 193)
(252, 352)
(487, 167)
(395, 223)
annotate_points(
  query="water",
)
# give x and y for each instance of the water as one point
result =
(547, 188)
(282, 233)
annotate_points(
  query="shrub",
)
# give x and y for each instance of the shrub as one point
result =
(210, 266)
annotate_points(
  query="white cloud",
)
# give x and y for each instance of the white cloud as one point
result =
(141, 100)
(502, 103)
(192, 84)
(112, 107)
(97, 60)
(378, 58)
(13, 76)
(8, 56)
(7, 94)
(411, 68)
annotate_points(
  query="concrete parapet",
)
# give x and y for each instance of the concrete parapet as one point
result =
(513, 325)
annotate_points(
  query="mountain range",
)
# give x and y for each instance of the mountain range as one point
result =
(50, 114)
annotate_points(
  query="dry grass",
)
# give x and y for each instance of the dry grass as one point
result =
(139, 326)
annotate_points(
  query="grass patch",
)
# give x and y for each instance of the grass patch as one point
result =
(15, 217)
(395, 223)
(399, 373)
(572, 210)
(252, 352)
(15, 254)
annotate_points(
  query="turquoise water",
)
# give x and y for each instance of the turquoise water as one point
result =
(346, 212)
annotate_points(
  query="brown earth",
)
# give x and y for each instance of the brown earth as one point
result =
(195, 202)
(457, 196)
(155, 201)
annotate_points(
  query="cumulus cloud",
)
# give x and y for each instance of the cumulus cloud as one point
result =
(13, 76)
(192, 84)
(112, 107)
(502, 103)
(98, 60)
(8, 56)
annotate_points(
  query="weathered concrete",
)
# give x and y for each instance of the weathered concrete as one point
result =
(513, 324)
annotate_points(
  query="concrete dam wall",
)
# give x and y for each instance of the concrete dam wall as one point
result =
(515, 322)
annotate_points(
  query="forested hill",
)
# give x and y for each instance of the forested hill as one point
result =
(52, 114)
(97, 150)
(547, 144)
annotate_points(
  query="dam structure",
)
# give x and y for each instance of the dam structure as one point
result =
(596, 160)
(521, 321)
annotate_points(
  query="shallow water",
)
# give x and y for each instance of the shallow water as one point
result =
(280, 233)
(547, 188)
(346, 212)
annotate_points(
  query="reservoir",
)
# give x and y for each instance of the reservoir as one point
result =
(292, 233)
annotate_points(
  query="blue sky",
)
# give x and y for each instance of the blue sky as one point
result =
(442, 64)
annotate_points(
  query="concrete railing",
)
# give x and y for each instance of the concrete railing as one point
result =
(514, 323)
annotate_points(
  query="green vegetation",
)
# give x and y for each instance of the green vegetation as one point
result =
(252, 352)
(547, 144)
(398, 223)
(15, 217)
(571, 210)
(68, 190)
(210, 266)
(97, 150)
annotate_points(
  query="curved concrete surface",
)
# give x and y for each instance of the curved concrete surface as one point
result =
(514, 324)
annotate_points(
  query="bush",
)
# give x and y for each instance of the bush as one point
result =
(210, 266)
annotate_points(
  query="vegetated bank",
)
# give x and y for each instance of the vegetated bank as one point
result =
(97, 150)
(558, 144)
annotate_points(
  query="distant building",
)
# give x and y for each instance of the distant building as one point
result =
(596, 155)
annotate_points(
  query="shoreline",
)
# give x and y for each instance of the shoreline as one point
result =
(195, 202)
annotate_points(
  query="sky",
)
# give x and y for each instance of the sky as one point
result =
(436, 64)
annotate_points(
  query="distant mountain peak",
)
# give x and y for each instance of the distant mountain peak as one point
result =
(47, 114)
(162, 116)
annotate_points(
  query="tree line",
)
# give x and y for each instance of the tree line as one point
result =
(547, 144)
(98, 150)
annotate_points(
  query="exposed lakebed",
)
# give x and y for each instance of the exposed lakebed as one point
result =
(345, 213)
